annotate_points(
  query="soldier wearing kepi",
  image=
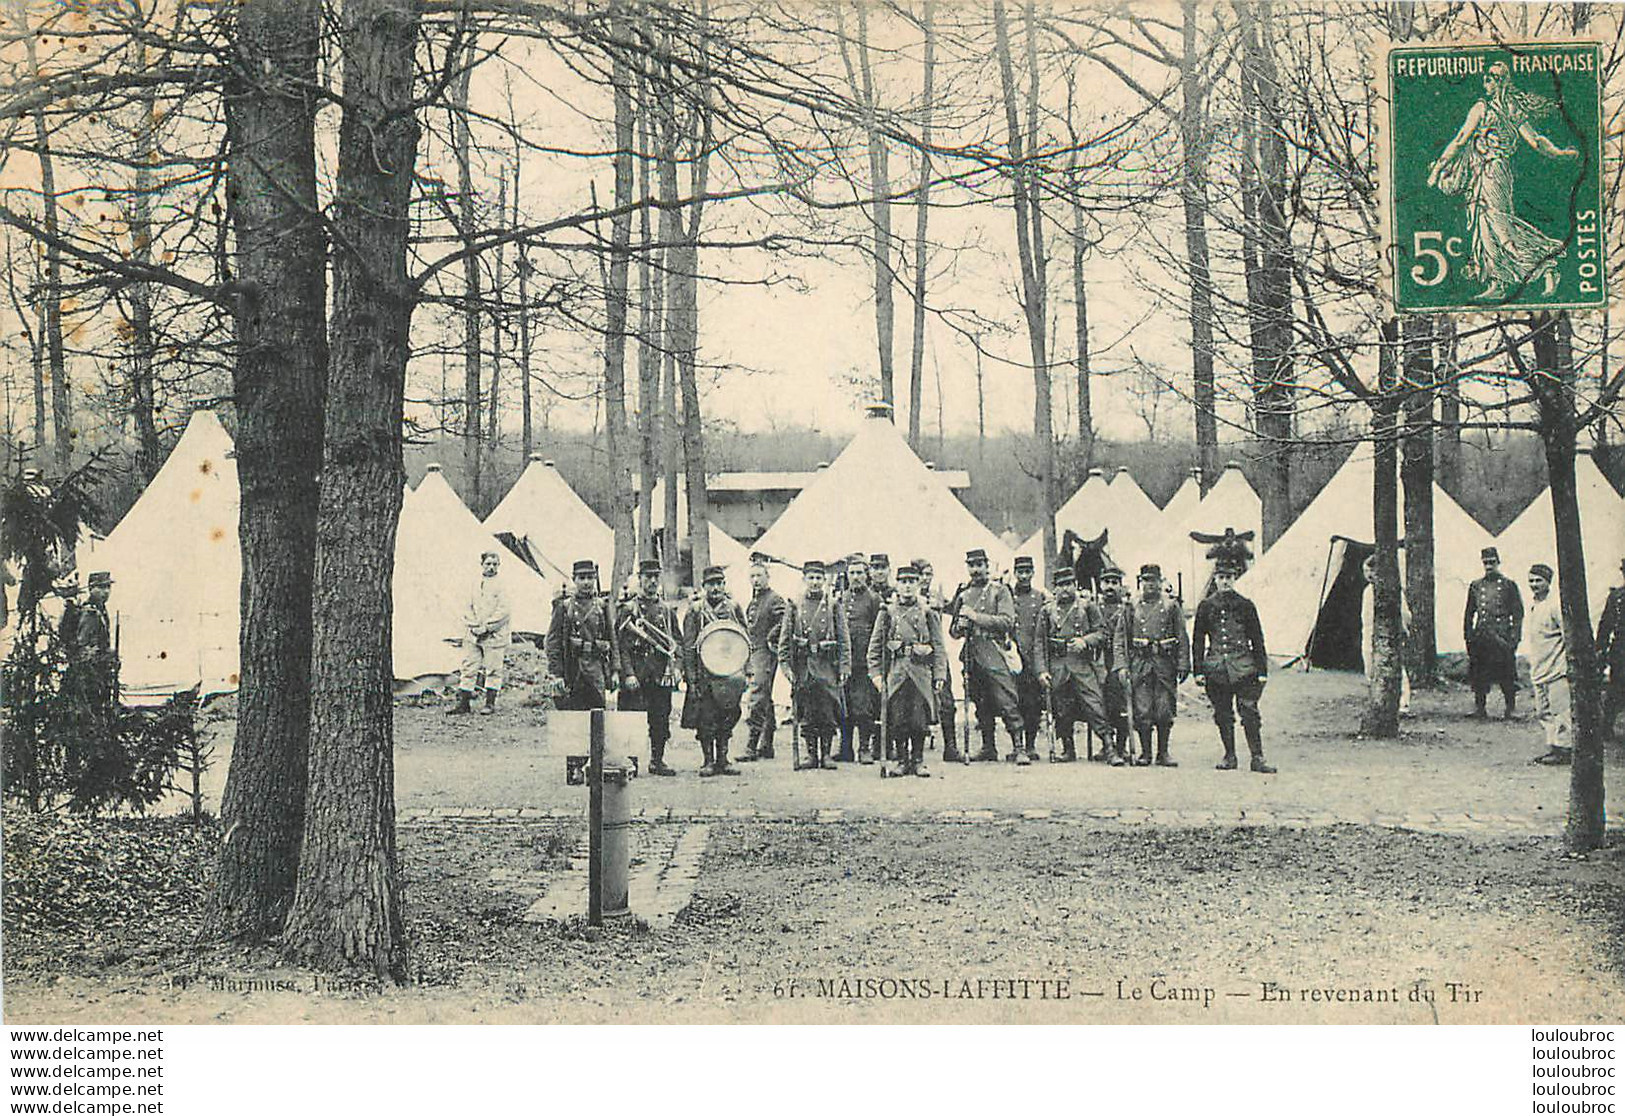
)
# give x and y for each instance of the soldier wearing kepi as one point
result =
(580, 643)
(1115, 744)
(908, 658)
(880, 577)
(1030, 602)
(1072, 647)
(1492, 627)
(984, 617)
(486, 636)
(711, 707)
(1227, 647)
(763, 615)
(91, 679)
(816, 651)
(1153, 651)
(648, 643)
(946, 713)
(860, 605)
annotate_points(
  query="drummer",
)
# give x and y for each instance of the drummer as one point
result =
(711, 708)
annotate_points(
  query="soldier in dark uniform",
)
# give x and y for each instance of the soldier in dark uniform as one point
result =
(91, 678)
(580, 643)
(984, 616)
(1030, 602)
(648, 668)
(1611, 653)
(1492, 628)
(815, 649)
(946, 711)
(711, 707)
(1071, 652)
(1154, 653)
(1227, 647)
(763, 615)
(1114, 746)
(860, 605)
(880, 577)
(907, 656)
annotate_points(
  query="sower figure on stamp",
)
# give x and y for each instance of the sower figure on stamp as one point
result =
(860, 605)
(815, 649)
(648, 642)
(486, 636)
(1030, 602)
(946, 711)
(907, 657)
(581, 644)
(1114, 746)
(1227, 647)
(711, 707)
(1154, 653)
(1071, 649)
(763, 615)
(984, 617)
(1492, 627)
(1611, 653)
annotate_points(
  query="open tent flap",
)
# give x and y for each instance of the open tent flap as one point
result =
(1335, 639)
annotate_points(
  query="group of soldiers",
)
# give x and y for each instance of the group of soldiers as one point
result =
(868, 665)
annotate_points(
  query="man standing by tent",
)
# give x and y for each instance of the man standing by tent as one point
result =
(816, 650)
(1492, 627)
(1611, 653)
(763, 615)
(908, 658)
(1070, 657)
(946, 712)
(580, 643)
(1549, 668)
(1231, 664)
(711, 708)
(1030, 603)
(861, 606)
(486, 636)
(1114, 745)
(91, 679)
(984, 616)
(647, 641)
(1155, 654)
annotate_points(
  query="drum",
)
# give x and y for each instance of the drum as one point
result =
(723, 648)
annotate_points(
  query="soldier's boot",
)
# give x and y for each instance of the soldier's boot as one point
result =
(657, 758)
(1479, 699)
(1117, 747)
(1144, 758)
(1163, 758)
(809, 752)
(722, 766)
(708, 756)
(866, 745)
(990, 748)
(490, 705)
(826, 744)
(1069, 750)
(463, 698)
(845, 754)
(916, 750)
(750, 754)
(1511, 702)
(950, 747)
(764, 748)
(1018, 750)
(1227, 737)
(1255, 745)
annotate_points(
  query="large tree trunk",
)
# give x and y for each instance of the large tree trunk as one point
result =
(499, 287)
(467, 231)
(1080, 325)
(56, 357)
(280, 381)
(1193, 195)
(1553, 383)
(922, 214)
(1446, 372)
(149, 454)
(650, 285)
(1416, 473)
(1381, 717)
(671, 233)
(347, 908)
(863, 89)
(618, 438)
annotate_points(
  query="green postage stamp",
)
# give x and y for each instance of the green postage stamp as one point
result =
(1492, 173)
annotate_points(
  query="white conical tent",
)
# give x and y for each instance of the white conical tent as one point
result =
(1531, 537)
(437, 557)
(1088, 509)
(543, 510)
(1289, 581)
(878, 497)
(1135, 523)
(1230, 503)
(1184, 500)
(177, 570)
(734, 556)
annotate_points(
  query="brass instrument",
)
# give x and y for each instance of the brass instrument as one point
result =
(656, 638)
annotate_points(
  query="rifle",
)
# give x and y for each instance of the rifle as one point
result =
(883, 743)
(1049, 717)
(964, 677)
(795, 688)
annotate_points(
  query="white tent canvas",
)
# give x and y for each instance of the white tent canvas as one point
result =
(1184, 500)
(734, 557)
(1136, 525)
(1288, 581)
(437, 557)
(542, 509)
(1231, 502)
(1088, 509)
(177, 570)
(1531, 537)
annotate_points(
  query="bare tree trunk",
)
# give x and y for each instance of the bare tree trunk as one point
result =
(56, 358)
(462, 140)
(618, 438)
(671, 233)
(1416, 473)
(686, 343)
(981, 406)
(149, 454)
(1080, 310)
(922, 214)
(280, 381)
(493, 418)
(1193, 195)
(1381, 717)
(347, 908)
(650, 309)
(1446, 373)
(1553, 383)
(863, 89)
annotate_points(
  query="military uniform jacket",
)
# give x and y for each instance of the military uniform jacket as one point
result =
(579, 641)
(642, 660)
(1227, 641)
(986, 619)
(701, 614)
(815, 645)
(92, 639)
(1611, 631)
(1151, 644)
(1029, 607)
(907, 650)
(861, 607)
(712, 704)
(1494, 609)
(763, 615)
(1072, 642)
(1111, 613)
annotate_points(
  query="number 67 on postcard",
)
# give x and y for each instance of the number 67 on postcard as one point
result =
(1491, 169)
